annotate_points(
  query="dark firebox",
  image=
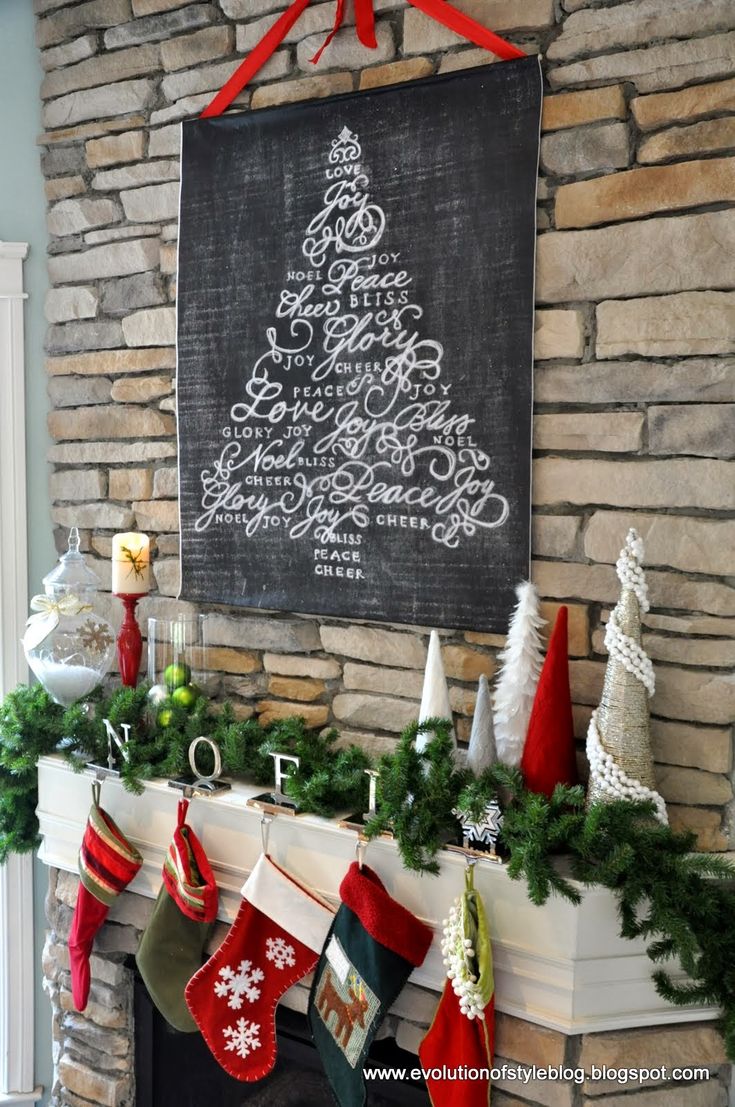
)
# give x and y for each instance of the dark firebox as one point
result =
(177, 1070)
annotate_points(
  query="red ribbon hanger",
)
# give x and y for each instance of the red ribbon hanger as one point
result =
(440, 10)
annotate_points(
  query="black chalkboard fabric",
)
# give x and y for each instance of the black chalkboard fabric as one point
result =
(355, 351)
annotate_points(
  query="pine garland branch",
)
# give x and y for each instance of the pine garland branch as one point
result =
(419, 790)
(29, 728)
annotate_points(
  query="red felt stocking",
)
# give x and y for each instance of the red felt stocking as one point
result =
(453, 1047)
(107, 864)
(275, 940)
(89, 915)
(457, 1052)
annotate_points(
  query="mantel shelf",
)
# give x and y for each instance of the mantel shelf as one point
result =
(560, 966)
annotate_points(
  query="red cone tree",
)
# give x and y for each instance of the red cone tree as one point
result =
(548, 755)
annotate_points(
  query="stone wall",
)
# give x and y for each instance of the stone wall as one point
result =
(93, 1052)
(635, 334)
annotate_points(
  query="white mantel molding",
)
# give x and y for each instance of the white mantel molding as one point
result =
(561, 966)
(16, 251)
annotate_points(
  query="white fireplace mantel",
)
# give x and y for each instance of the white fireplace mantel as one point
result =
(561, 966)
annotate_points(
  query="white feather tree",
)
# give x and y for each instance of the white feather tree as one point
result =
(515, 689)
(481, 752)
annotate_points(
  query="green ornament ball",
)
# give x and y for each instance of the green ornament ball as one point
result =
(185, 696)
(165, 717)
(176, 675)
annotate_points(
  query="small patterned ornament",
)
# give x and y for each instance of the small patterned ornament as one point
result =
(482, 834)
(96, 636)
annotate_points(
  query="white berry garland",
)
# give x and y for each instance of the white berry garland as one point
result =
(628, 568)
(459, 958)
(613, 780)
(621, 647)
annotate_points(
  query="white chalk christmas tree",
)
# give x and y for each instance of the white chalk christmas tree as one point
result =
(521, 662)
(349, 403)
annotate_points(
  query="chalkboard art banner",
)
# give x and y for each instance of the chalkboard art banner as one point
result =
(355, 351)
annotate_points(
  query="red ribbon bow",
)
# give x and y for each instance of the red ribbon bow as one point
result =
(440, 10)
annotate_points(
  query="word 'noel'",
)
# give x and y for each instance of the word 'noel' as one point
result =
(345, 412)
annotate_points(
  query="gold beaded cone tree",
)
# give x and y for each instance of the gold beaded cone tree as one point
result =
(619, 739)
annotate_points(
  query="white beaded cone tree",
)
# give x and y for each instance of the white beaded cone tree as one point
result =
(618, 739)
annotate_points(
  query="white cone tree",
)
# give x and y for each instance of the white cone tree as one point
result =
(521, 662)
(435, 696)
(482, 752)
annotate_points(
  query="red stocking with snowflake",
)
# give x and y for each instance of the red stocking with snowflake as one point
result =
(275, 940)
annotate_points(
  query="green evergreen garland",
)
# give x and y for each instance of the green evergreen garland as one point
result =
(327, 781)
(29, 728)
(417, 793)
(682, 903)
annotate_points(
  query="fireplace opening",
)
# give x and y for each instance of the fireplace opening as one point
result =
(177, 1070)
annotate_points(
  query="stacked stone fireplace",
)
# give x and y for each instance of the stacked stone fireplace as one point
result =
(94, 1052)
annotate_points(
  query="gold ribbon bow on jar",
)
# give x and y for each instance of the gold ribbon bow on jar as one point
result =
(49, 610)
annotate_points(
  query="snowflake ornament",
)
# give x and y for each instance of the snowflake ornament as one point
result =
(280, 953)
(237, 984)
(485, 832)
(242, 1037)
(95, 636)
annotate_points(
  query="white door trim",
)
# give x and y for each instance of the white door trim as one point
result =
(16, 876)
(13, 519)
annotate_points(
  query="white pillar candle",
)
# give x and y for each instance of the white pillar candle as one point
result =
(131, 559)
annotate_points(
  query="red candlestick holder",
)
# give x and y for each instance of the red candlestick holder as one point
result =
(129, 641)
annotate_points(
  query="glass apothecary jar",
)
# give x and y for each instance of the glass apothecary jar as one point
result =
(67, 644)
(178, 663)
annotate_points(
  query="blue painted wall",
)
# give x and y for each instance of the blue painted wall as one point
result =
(22, 219)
